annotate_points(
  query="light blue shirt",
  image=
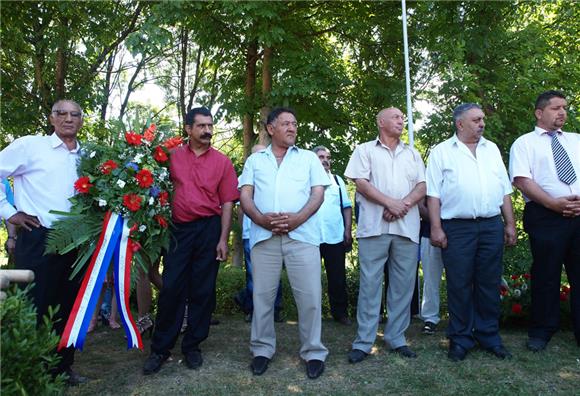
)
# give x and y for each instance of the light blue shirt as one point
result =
(331, 221)
(284, 188)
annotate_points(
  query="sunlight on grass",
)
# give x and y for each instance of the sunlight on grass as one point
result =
(294, 389)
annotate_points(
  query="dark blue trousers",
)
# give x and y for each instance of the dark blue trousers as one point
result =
(473, 267)
(189, 276)
(52, 285)
(554, 240)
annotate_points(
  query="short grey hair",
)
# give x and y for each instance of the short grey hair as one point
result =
(58, 102)
(462, 109)
(319, 148)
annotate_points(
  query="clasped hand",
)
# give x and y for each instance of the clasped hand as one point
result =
(280, 223)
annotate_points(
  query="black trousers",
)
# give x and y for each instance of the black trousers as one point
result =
(189, 276)
(52, 286)
(554, 240)
(473, 267)
(334, 257)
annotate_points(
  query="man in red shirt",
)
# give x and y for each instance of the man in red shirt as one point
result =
(205, 189)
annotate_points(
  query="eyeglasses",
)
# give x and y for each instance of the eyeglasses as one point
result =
(63, 113)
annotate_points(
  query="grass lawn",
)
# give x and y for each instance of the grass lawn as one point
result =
(115, 371)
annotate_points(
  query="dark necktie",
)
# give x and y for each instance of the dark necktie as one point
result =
(564, 167)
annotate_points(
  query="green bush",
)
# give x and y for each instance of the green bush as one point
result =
(28, 351)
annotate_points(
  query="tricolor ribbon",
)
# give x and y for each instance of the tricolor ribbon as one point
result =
(115, 243)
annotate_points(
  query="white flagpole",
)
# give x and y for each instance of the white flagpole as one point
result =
(410, 127)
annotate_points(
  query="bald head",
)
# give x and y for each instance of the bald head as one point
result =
(390, 121)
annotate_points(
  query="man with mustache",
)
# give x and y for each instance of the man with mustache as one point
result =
(336, 222)
(467, 190)
(544, 166)
(44, 169)
(205, 189)
(390, 181)
(282, 187)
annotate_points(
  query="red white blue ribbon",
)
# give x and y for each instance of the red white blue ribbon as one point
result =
(114, 243)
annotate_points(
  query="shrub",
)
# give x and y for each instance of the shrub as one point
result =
(28, 350)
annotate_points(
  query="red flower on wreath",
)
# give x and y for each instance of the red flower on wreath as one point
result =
(149, 133)
(514, 277)
(566, 289)
(83, 184)
(161, 220)
(527, 276)
(132, 202)
(144, 178)
(563, 296)
(108, 166)
(135, 246)
(163, 198)
(133, 138)
(160, 155)
(517, 308)
(503, 290)
(173, 142)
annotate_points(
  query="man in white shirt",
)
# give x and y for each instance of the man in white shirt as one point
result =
(467, 189)
(545, 167)
(336, 225)
(390, 181)
(44, 169)
(281, 188)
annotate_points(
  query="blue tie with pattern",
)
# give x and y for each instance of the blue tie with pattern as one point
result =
(564, 167)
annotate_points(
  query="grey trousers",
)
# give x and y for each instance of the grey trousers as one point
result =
(401, 256)
(302, 262)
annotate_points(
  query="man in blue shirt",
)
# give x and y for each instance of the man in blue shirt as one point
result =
(336, 221)
(282, 187)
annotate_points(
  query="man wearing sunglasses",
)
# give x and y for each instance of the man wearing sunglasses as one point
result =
(44, 169)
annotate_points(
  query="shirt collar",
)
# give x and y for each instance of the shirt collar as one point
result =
(540, 131)
(268, 150)
(455, 140)
(400, 144)
(55, 141)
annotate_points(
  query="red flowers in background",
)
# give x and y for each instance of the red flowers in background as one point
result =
(163, 198)
(133, 138)
(159, 154)
(83, 184)
(517, 308)
(132, 202)
(149, 133)
(144, 178)
(108, 166)
(172, 142)
(161, 220)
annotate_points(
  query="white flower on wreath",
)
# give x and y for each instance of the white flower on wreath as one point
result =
(92, 154)
(517, 292)
(162, 174)
(102, 202)
(138, 158)
(151, 200)
(142, 227)
(524, 287)
(121, 183)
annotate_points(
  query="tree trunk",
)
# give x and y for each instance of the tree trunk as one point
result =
(266, 90)
(183, 73)
(107, 86)
(250, 91)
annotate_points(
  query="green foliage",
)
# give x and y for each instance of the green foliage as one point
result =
(28, 351)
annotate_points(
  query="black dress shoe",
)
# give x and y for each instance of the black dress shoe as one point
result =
(500, 352)
(193, 359)
(405, 351)
(259, 365)
(356, 356)
(536, 344)
(314, 368)
(456, 352)
(74, 379)
(154, 362)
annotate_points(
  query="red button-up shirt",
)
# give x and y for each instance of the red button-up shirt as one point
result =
(201, 184)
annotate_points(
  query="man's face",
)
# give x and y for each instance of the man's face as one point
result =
(66, 119)
(325, 160)
(283, 130)
(553, 116)
(392, 122)
(201, 131)
(471, 125)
